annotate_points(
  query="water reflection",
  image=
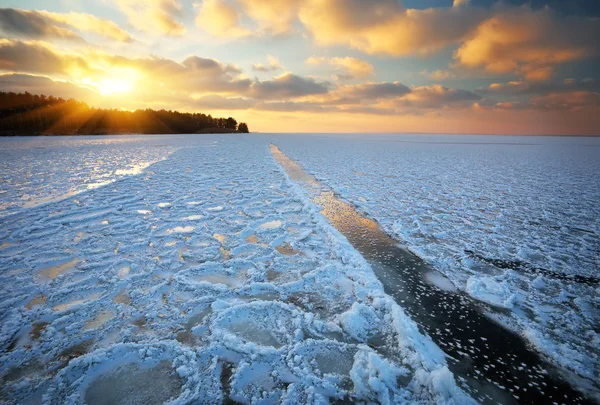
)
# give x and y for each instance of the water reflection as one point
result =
(492, 363)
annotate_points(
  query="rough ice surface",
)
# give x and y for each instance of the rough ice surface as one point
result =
(206, 277)
(512, 221)
(36, 170)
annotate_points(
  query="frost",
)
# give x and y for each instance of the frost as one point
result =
(488, 290)
(218, 283)
(513, 222)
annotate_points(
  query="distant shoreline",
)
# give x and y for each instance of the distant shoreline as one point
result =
(10, 134)
(208, 131)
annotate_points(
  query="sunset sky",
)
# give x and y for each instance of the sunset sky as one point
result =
(461, 66)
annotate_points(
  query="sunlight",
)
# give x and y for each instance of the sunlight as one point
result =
(108, 87)
(116, 81)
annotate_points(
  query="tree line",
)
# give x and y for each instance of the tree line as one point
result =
(29, 114)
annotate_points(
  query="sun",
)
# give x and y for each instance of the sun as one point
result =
(112, 86)
(113, 81)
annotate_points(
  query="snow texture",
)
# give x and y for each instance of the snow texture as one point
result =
(512, 221)
(207, 276)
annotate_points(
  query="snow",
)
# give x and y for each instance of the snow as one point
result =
(512, 221)
(36, 171)
(488, 290)
(191, 280)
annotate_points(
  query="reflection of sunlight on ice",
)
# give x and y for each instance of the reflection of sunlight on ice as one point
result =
(181, 229)
(67, 305)
(52, 272)
(123, 272)
(39, 299)
(136, 169)
(133, 384)
(101, 318)
(34, 202)
(92, 186)
(271, 225)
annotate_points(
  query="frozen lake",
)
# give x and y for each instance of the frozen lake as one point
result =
(201, 264)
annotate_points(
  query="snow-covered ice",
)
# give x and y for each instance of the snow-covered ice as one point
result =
(207, 276)
(36, 170)
(512, 221)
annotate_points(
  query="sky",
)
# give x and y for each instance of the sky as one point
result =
(407, 66)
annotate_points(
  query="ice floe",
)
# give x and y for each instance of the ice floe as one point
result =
(237, 290)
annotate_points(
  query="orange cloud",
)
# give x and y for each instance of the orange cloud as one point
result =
(155, 78)
(573, 100)
(273, 64)
(528, 43)
(40, 57)
(218, 18)
(353, 68)
(273, 17)
(436, 97)
(385, 27)
(154, 16)
(504, 39)
(437, 75)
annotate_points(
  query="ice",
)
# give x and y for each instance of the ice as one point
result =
(271, 225)
(488, 290)
(132, 385)
(218, 283)
(511, 221)
(51, 272)
(440, 281)
(181, 229)
(101, 161)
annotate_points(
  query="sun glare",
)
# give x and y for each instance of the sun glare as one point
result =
(108, 87)
(116, 81)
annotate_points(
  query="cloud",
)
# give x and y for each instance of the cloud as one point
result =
(498, 40)
(573, 100)
(568, 95)
(294, 106)
(353, 68)
(220, 19)
(217, 102)
(460, 3)
(436, 97)
(385, 27)
(394, 97)
(20, 83)
(43, 24)
(528, 43)
(89, 23)
(287, 85)
(376, 26)
(272, 17)
(523, 88)
(273, 64)
(437, 75)
(374, 91)
(154, 16)
(31, 24)
(39, 57)
(159, 75)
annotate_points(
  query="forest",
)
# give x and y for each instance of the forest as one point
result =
(29, 114)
